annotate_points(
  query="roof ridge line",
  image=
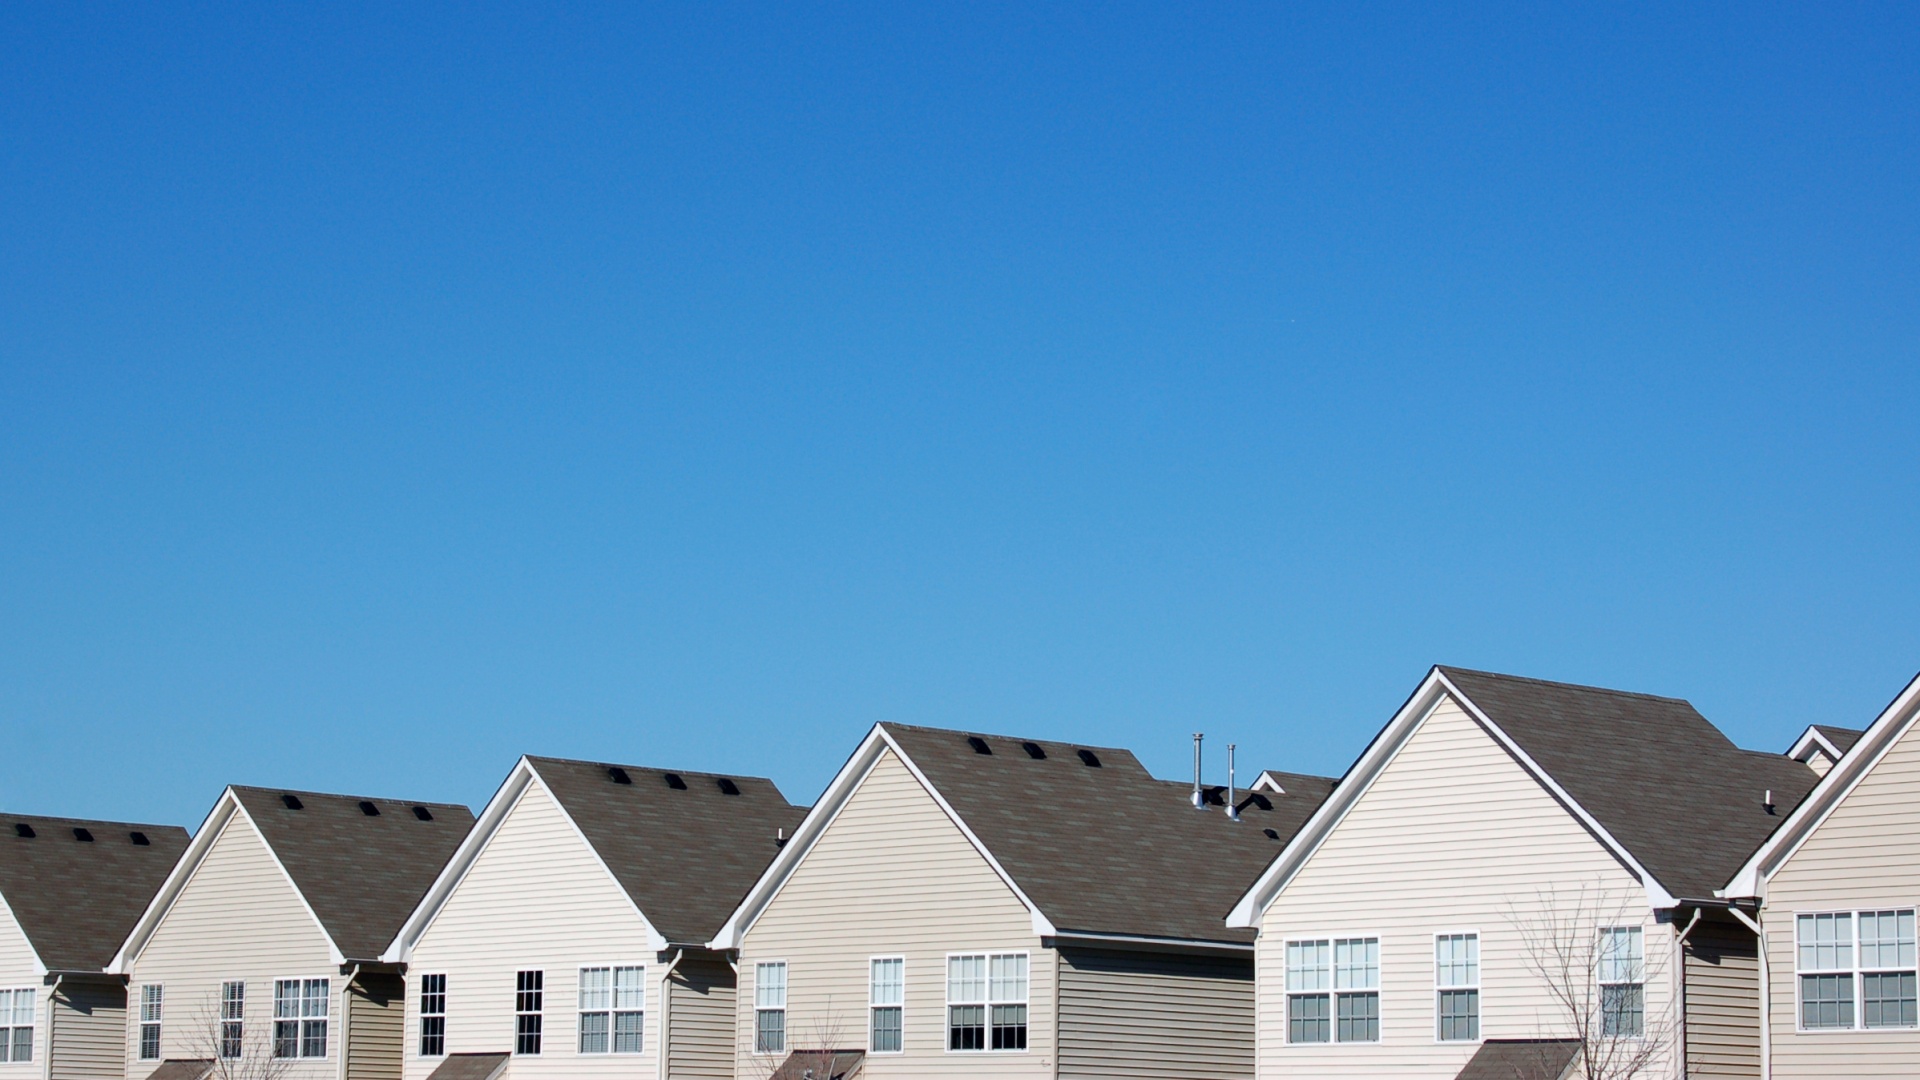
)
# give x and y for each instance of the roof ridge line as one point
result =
(651, 768)
(344, 795)
(1565, 685)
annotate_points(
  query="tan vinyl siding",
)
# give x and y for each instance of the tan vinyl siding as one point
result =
(237, 918)
(700, 1014)
(19, 971)
(1865, 855)
(1453, 836)
(89, 1024)
(892, 876)
(535, 899)
(376, 1024)
(1722, 1002)
(1155, 1016)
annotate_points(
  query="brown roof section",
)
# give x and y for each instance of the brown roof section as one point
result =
(77, 900)
(1110, 850)
(1686, 802)
(470, 1067)
(362, 873)
(685, 855)
(182, 1069)
(1841, 738)
(820, 1065)
(1522, 1059)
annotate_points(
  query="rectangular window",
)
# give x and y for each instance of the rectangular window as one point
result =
(300, 1011)
(1333, 990)
(233, 1014)
(1623, 982)
(16, 1024)
(1456, 980)
(886, 996)
(529, 999)
(433, 1015)
(612, 1009)
(987, 1002)
(152, 1004)
(770, 1008)
(1846, 984)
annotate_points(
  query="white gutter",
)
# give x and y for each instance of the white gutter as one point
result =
(346, 1018)
(666, 1007)
(1680, 986)
(46, 1052)
(1766, 994)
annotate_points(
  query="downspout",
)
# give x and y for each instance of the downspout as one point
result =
(346, 1021)
(666, 1006)
(46, 1052)
(1766, 993)
(1680, 986)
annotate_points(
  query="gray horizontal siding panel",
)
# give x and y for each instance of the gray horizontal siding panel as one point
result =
(1156, 1015)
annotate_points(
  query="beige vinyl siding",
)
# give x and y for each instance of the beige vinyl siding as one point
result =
(89, 1026)
(1865, 855)
(20, 971)
(535, 899)
(1722, 1001)
(238, 918)
(376, 1024)
(1163, 1016)
(892, 876)
(1453, 836)
(700, 1016)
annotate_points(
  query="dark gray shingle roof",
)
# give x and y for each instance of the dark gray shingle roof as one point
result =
(77, 901)
(1521, 1059)
(1679, 795)
(362, 874)
(1841, 738)
(470, 1067)
(686, 857)
(1109, 850)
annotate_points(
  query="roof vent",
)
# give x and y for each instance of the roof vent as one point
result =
(618, 775)
(422, 813)
(1088, 758)
(367, 808)
(1271, 835)
(292, 802)
(1259, 800)
(1033, 751)
(728, 787)
(83, 836)
(139, 839)
(23, 830)
(979, 745)
(1767, 801)
(674, 781)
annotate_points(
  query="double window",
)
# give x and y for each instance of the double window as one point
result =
(16, 1024)
(1333, 990)
(886, 997)
(233, 1017)
(529, 999)
(613, 1002)
(300, 1011)
(1623, 982)
(1856, 969)
(152, 1005)
(770, 1008)
(433, 1015)
(1456, 980)
(987, 1002)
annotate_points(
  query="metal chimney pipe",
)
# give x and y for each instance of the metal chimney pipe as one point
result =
(1199, 800)
(1233, 812)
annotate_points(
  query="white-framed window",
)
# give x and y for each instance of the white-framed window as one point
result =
(153, 1000)
(1623, 982)
(770, 1007)
(233, 1019)
(433, 1015)
(1856, 969)
(16, 1024)
(529, 1010)
(1333, 990)
(886, 999)
(1456, 981)
(301, 1008)
(613, 1002)
(987, 1001)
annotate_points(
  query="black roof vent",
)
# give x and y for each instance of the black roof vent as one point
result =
(1033, 751)
(1271, 835)
(1088, 758)
(728, 787)
(674, 781)
(367, 808)
(23, 830)
(618, 775)
(422, 813)
(83, 836)
(979, 745)
(292, 802)
(139, 839)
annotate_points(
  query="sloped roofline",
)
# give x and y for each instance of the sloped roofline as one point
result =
(1373, 761)
(521, 777)
(225, 808)
(1814, 738)
(1849, 769)
(847, 781)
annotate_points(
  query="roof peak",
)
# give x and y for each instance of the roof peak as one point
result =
(1449, 669)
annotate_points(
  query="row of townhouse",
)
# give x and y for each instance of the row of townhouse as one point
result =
(1516, 879)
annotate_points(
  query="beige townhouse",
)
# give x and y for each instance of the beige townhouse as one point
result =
(975, 905)
(69, 892)
(1514, 874)
(1837, 888)
(566, 939)
(260, 954)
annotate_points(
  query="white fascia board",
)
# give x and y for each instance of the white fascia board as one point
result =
(655, 940)
(39, 965)
(1813, 740)
(400, 951)
(1827, 795)
(1266, 782)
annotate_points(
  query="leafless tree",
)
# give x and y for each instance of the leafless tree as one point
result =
(235, 1047)
(822, 1054)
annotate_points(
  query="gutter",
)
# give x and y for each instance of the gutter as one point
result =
(666, 1009)
(1766, 994)
(346, 1020)
(46, 1052)
(1680, 984)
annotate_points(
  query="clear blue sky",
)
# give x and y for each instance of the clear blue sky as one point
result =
(386, 392)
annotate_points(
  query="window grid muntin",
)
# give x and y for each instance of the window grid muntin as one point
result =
(1456, 980)
(301, 1010)
(987, 997)
(529, 1011)
(770, 1007)
(16, 1024)
(613, 1001)
(1856, 970)
(1333, 990)
(886, 1004)
(233, 1015)
(153, 1001)
(433, 1015)
(1622, 971)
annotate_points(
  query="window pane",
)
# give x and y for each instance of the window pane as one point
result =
(1456, 960)
(966, 978)
(1009, 978)
(1620, 954)
(1359, 1017)
(967, 1027)
(1459, 1015)
(1826, 942)
(1308, 964)
(433, 1036)
(313, 1038)
(629, 988)
(1009, 1027)
(526, 1033)
(770, 1031)
(885, 1036)
(1356, 964)
(1887, 999)
(1826, 1001)
(593, 1033)
(886, 983)
(1886, 939)
(1623, 1009)
(628, 1029)
(1307, 1019)
(314, 998)
(596, 988)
